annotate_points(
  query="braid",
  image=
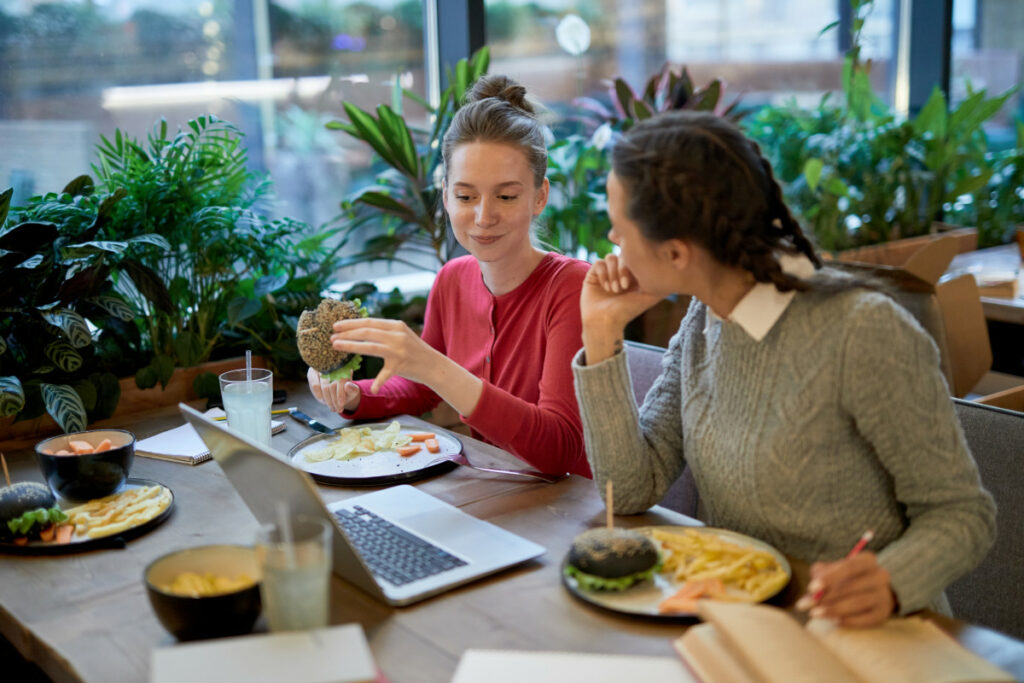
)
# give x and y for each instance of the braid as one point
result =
(788, 225)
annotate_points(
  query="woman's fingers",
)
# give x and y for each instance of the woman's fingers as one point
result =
(855, 591)
(352, 396)
(313, 379)
(382, 376)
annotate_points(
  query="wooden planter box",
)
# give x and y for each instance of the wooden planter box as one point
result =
(133, 400)
(896, 252)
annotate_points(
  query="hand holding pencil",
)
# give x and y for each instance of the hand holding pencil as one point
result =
(853, 591)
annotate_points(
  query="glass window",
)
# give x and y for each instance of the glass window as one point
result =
(73, 70)
(988, 52)
(766, 50)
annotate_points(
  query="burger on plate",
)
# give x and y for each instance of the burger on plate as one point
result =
(27, 509)
(314, 338)
(612, 559)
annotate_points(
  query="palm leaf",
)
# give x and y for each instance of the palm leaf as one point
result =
(65, 406)
(73, 325)
(12, 396)
(114, 306)
(63, 356)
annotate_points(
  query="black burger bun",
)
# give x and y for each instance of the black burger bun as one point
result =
(17, 499)
(613, 553)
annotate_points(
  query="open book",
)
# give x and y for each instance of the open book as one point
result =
(743, 643)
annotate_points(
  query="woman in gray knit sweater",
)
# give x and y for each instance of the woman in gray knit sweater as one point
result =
(809, 408)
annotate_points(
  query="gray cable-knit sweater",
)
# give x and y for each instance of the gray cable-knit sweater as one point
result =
(838, 421)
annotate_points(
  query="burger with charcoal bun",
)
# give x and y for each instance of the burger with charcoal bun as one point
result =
(612, 559)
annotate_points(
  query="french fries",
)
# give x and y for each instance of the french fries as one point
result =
(119, 511)
(748, 574)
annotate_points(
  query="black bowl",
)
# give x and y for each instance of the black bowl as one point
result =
(226, 614)
(89, 475)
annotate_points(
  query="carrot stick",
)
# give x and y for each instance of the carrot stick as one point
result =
(64, 532)
(422, 436)
(406, 451)
(432, 445)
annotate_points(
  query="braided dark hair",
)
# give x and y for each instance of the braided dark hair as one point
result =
(497, 110)
(695, 176)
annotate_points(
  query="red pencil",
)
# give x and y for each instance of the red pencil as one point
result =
(865, 538)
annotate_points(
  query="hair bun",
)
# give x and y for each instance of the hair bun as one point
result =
(501, 88)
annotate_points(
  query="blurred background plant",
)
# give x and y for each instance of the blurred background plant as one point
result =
(66, 326)
(856, 173)
(236, 279)
(400, 216)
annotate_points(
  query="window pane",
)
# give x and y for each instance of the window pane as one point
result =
(70, 71)
(767, 50)
(988, 52)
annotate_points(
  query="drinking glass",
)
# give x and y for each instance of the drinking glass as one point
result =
(296, 588)
(247, 402)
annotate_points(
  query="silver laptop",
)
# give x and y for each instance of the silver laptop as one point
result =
(398, 544)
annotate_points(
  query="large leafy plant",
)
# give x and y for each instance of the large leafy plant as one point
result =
(666, 90)
(235, 279)
(858, 174)
(401, 215)
(63, 317)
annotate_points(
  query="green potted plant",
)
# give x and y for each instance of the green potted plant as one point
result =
(236, 279)
(401, 214)
(62, 338)
(857, 174)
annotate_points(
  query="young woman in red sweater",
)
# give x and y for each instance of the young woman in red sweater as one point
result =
(503, 323)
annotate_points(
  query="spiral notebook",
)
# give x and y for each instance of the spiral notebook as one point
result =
(183, 445)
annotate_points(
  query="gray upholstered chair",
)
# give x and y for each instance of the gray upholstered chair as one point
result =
(644, 363)
(993, 594)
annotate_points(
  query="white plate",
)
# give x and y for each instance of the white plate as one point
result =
(382, 467)
(642, 599)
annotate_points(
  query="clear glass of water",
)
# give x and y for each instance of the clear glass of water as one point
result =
(296, 588)
(247, 402)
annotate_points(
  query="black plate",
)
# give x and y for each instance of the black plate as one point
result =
(117, 541)
(380, 469)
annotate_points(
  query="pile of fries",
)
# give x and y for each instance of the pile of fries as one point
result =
(119, 511)
(745, 574)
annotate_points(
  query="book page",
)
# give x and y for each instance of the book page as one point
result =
(772, 646)
(707, 655)
(511, 666)
(908, 649)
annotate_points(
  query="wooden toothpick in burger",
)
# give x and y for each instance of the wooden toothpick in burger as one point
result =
(610, 559)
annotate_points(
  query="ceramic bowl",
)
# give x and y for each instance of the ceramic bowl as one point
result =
(78, 476)
(189, 617)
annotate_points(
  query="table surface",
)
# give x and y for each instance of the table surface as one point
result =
(1005, 258)
(86, 616)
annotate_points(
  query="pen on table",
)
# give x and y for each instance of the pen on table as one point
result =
(862, 543)
(279, 411)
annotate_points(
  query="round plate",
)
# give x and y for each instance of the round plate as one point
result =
(642, 599)
(80, 544)
(380, 468)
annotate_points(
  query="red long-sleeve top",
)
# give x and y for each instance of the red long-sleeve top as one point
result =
(521, 345)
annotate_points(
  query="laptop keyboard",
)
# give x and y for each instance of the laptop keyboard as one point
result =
(391, 552)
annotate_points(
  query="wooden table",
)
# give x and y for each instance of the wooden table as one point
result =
(86, 616)
(1005, 258)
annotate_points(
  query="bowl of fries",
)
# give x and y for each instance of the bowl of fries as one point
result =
(205, 592)
(85, 465)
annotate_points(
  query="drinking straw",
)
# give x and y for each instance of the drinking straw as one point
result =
(248, 371)
(7, 475)
(286, 534)
(608, 504)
